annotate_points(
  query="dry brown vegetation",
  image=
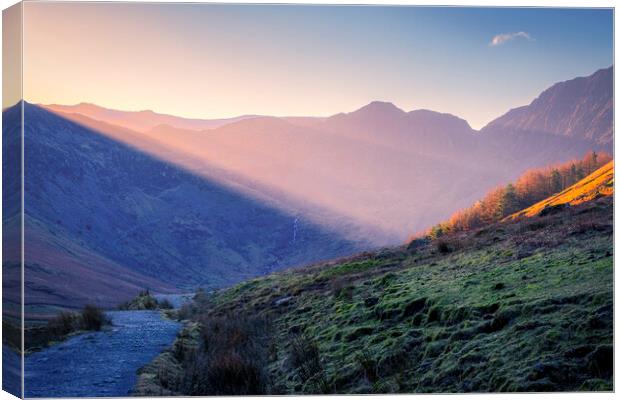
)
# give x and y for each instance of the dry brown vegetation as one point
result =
(533, 186)
(91, 318)
(598, 184)
(231, 358)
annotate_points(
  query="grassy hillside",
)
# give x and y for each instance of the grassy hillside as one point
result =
(521, 305)
(599, 183)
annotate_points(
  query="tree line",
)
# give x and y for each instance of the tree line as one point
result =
(531, 187)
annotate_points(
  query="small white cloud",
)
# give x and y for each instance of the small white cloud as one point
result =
(505, 37)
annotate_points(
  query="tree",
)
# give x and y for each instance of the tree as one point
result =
(580, 174)
(436, 231)
(556, 181)
(572, 175)
(533, 186)
(510, 200)
(593, 158)
(591, 162)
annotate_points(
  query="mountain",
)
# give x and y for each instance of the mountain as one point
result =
(383, 123)
(390, 171)
(140, 120)
(580, 109)
(522, 305)
(59, 272)
(11, 217)
(177, 202)
(423, 166)
(598, 184)
(199, 153)
(104, 220)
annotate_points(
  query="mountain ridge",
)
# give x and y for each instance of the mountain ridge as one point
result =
(579, 107)
(598, 80)
(141, 120)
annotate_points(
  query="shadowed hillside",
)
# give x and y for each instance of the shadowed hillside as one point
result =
(104, 220)
(520, 305)
(11, 218)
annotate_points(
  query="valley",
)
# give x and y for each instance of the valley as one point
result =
(228, 199)
(312, 238)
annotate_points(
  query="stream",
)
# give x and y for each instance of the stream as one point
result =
(97, 364)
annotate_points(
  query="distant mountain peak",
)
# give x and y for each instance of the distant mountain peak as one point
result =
(374, 114)
(380, 107)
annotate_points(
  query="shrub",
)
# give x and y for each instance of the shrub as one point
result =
(146, 301)
(306, 358)
(368, 365)
(231, 360)
(12, 334)
(231, 374)
(62, 324)
(443, 247)
(92, 318)
(149, 303)
(341, 289)
(165, 304)
(186, 311)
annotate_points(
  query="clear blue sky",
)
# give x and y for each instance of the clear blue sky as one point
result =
(225, 60)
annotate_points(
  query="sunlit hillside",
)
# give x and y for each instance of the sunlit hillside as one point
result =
(531, 187)
(598, 184)
(517, 305)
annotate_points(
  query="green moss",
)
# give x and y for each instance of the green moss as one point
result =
(507, 311)
(348, 268)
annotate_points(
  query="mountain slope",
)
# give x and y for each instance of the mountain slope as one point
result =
(521, 305)
(424, 166)
(581, 108)
(89, 194)
(227, 160)
(600, 183)
(11, 215)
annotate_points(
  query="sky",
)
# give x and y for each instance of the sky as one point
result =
(11, 60)
(215, 61)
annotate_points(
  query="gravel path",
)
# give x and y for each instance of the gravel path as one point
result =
(98, 364)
